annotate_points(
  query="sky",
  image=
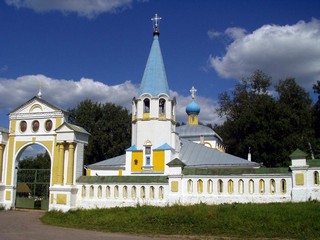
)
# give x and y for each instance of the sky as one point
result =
(98, 49)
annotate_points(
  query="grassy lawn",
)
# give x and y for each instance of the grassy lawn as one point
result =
(275, 220)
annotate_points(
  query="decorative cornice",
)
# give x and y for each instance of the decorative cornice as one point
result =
(38, 115)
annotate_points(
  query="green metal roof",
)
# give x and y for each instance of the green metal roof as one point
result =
(314, 163)
(298, 154)
(122, 179)
(233, 171)
(176, 163)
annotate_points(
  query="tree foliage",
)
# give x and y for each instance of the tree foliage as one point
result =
(109, 126)
(316, 119)
(41, 161)
(271, 126)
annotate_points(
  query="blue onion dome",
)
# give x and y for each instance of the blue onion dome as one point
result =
(193, 107)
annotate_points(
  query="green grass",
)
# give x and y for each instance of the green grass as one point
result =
(275, 220)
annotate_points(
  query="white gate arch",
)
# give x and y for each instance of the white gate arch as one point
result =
(39, 122)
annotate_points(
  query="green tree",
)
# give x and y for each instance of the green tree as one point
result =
(248, 112)
(272, 127)
(316, 120)
(41, 161)
(294, 118)
(109, 126)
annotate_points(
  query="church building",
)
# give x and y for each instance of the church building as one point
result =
(164, 165)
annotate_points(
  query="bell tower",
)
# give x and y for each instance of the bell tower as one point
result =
(153, 110)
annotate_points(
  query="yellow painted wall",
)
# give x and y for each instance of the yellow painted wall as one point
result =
(300, 179)
(8, 195)
(54, 172)
(146, 116)
(193, 119)
(61, 199)
(174, 186)
(10, 160)
(137, 156)
(13, 126)
(58, 122)
(158, 161)
(10, 153)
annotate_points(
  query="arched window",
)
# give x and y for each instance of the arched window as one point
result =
(251, 186)
(99, 191)
(162, 106)
(143, 192)
(108, 192)
(83, 192)
(230, 186)
(199, 186)
(272, 186)
(161, 192)
(316, 178)
(151, 192)
(283, 186)
(133, 192)
(210, 186)
(125, 192)
(241, 186)
(91, 193)
(261, 186)
(220, 186)
(190, 186)
(146, 105)
(116, 191)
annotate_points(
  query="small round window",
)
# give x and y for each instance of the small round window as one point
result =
(48, 125)
(35, 126)
(23, 126)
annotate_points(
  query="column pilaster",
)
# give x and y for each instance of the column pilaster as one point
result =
(71, 163)
(61, 163)
(1, 160)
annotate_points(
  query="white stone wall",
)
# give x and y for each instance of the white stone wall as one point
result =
(114, 195)
(213, 193)
(186, 190)
(313, 186)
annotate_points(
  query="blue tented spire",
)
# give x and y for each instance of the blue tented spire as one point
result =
(154, 80)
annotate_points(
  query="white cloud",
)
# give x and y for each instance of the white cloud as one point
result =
(279, 51)
(87, 8)
(235, 32)
(69, 93)
(63, 93)
(214, 34)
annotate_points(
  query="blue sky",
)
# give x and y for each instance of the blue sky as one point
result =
(82, 49)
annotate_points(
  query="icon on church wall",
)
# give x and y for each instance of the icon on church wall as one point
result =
(23, 126)
(48, 125)
(35, 125)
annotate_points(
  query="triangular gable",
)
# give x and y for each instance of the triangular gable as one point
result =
(35, 105)
(176, 163)
(68, 127)
(165, 146)
(132, 148)
(298, 154)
